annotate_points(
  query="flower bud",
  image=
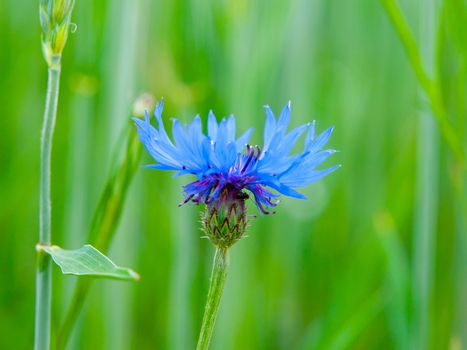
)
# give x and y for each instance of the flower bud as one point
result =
(225, 221)
(55, 16)
(144, 102)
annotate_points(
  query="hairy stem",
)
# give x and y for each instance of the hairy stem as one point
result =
(218, 275)
(44, 264)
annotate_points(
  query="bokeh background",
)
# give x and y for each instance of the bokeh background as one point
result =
(376, 259)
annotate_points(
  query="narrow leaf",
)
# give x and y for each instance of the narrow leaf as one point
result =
(87, 261)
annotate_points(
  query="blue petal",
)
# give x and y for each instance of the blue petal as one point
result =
(308, 178)
(226, 156)
(303, 167)
(222, 133)
(180, 136)
(284, 118)
(315, 159)
(290, 192)
(320, 141)
(212, 126)
(161, 167)
(149, 137)
(242, 141)
(160, 123)
(231, 129)
(269, 127)
(187, 153)
(287, 142)
(311, 134)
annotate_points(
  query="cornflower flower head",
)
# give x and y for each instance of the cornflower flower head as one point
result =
(228, 169)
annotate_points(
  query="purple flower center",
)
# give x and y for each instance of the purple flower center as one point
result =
(221, 188)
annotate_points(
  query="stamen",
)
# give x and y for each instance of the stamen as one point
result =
(187, 199)
(259, 152)
(250, 152)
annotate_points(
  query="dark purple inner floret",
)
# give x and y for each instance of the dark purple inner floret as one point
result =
(219, 188)
(216, 189)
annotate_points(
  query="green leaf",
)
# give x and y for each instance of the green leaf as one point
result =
(87, 261)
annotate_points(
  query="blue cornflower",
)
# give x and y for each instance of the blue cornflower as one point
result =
(226, 166)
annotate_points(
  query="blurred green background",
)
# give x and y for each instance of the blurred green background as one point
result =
(376, 259)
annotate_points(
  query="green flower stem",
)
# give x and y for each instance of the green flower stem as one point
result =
(44, 264)
(218, 275)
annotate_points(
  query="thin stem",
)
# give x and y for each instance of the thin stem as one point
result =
(430, 88)
(426, 206)
(105, 223)
(44, 265)
(218, 275)
(79, 296)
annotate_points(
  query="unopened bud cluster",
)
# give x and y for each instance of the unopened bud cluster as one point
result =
(55, 16)
(225, 221)
(144, 102)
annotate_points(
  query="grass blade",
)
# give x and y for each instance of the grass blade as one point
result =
(104, 225)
